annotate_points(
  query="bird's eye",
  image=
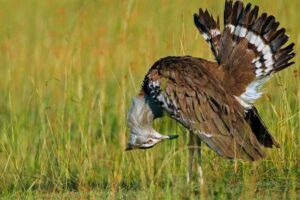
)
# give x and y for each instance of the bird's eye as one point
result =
(149, 141)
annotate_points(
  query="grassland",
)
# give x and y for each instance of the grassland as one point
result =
(68, 72)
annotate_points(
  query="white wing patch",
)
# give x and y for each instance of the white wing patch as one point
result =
(252, 93)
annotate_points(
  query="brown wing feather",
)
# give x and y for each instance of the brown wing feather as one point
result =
(238, 67)
(191, 92)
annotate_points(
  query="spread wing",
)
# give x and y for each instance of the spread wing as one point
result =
(250, 48)
(188, 90)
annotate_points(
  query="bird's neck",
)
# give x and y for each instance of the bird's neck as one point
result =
(143, 111)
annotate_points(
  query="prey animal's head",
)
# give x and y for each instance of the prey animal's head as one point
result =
(141, 115)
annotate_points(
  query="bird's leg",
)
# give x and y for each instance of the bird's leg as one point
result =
(191, 147)
(199, 166)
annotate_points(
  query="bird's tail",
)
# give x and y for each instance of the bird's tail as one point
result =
(259, 129)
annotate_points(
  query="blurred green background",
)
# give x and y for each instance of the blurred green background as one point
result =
(68, 72)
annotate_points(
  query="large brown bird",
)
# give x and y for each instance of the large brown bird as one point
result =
(214, 100)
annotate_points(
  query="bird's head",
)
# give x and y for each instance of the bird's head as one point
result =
(141, 115)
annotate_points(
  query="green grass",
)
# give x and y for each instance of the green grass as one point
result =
(68, 72)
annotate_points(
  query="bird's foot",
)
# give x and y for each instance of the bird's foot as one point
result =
(200, 174)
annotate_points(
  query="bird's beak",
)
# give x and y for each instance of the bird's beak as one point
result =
(171, 137)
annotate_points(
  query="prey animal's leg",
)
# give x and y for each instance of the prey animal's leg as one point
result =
(192, 149)
(199, 158)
